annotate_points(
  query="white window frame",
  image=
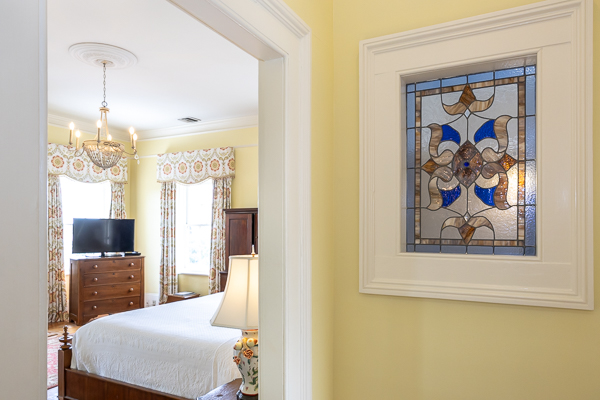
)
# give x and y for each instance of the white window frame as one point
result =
(559, 34)
(182, 268)
(67, 227)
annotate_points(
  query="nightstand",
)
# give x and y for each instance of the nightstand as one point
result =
(172, 298)
(224, 392)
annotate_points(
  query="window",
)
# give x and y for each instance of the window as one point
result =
(194, 223)
(471, 169)
(81, 200)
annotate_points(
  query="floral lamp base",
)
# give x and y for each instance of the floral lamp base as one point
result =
(245, 355)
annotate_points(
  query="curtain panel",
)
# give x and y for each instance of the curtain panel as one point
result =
(168, 275)
(117, 201)
(221, 202)
(62, 161)
(57, 292)
(192, 167)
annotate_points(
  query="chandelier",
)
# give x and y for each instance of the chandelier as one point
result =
(102, 150)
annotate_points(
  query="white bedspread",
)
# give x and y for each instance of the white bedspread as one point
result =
(171, 348)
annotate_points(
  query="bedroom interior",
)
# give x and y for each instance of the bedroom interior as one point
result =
(422, 348)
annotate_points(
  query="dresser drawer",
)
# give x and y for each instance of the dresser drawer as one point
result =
(110, 306)
(108, 278)
(97, 266)
(111, 291)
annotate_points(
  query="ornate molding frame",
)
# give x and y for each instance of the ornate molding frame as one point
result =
(561, 275)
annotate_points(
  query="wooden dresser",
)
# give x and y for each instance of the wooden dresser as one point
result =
(105, 285)
(241, 233)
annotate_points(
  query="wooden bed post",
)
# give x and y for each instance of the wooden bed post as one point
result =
(64, 362)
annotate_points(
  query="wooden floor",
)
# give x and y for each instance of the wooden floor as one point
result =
(57, 329)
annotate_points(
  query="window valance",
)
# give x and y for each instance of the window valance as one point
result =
(195, 166)
(62, 161)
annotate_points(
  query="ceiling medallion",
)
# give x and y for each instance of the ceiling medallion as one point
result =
(102, 150)
(97, 54)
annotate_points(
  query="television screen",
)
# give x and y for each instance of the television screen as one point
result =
(103, 235)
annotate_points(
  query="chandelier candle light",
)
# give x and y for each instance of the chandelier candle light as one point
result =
(102, 150)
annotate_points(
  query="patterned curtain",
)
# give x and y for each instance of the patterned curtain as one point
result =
(57, 292)
(117, 202)
(168, 276)
(221, 201)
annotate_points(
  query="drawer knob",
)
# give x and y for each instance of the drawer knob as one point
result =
(131, 289)
(131, 264)
(131, 303)
(131, 276)
(95, 293)
(95, 267)
(95, 279)
(94, 307)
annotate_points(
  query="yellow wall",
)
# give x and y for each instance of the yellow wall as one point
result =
(61, 136)
(145, 193)
(407, 348)
(318, 15)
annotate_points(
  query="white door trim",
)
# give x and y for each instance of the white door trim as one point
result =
(270, 31)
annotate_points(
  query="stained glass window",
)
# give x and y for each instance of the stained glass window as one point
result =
(471, 163)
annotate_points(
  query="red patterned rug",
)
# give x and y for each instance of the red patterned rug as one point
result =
(53, 346)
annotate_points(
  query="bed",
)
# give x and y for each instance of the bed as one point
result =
(165, 352)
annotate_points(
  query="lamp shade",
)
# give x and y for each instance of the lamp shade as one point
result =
(239, 306)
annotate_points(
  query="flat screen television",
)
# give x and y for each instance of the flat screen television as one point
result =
(103, 235)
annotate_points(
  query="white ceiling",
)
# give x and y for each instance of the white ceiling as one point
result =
(184, 69)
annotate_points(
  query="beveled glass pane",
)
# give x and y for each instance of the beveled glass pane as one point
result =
(509, 251)
(530, 138)
(427, 248)
(410, 110)
(410, 187)
(480, 250)
(455, 81)
(530, 69)
(410, 225)
(410, 88)
(530, 95)
(509, 73)
(485, 76)
(428, 85)
(454, 249)
(530, 226)
(410, 148)
(530, 183)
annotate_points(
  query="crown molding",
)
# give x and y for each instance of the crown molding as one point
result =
(162, 133)
(199, 128)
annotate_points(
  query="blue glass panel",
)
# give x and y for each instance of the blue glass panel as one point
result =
(450, 196)
(410, 110)
(410, 88)
(530, 95)
(449, 133)
(530, 138)
(509, 251)
(410, 187)
(427, 248)
(530, 251)
(410, 248)
(485, 76)
(428, 85)
(486, 194)
(530, 226)
(410, 225)
(530, 69)
(485, 131)
(410, 148)
(480, 250)
(457, 80)
(454, 249)
(509, 73)
(530, 194)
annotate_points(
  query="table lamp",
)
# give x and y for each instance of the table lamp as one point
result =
(239, 309)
